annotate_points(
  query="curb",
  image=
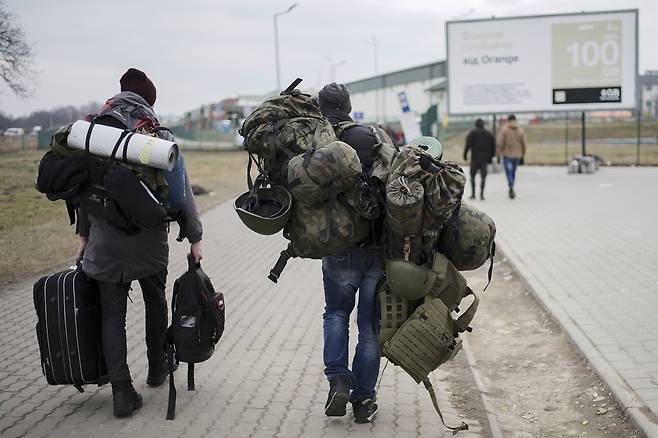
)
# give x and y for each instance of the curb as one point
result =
(640, 413)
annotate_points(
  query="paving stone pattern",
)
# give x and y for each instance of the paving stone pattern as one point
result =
(265, 379)
(590, 244)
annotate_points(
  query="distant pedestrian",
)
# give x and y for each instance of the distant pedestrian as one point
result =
(512, 146)
(482, 145)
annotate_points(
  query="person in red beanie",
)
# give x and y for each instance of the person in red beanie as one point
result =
(136, 81)
(115, 259)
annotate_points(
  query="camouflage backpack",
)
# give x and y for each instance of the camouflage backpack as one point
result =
(281, 128)
(294, 146)
(415, 217)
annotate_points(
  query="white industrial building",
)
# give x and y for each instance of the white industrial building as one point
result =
(376, 99)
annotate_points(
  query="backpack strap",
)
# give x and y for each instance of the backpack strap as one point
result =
(125, 147)
(280, 265)
(464, 321)
(190, 376)
(171, 404)
(492, 254)
(341, 127)
(432, 392)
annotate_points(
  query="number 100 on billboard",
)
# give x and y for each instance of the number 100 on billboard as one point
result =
(587, 62)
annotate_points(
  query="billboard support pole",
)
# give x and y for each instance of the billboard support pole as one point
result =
(493, 125)
(582, 124)
(566, 137)
(639, 127)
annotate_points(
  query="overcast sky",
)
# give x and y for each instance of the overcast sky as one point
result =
(199, 52)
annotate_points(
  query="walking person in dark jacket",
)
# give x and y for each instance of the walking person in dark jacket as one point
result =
(114, 259)
(482, 145)
(358, 268)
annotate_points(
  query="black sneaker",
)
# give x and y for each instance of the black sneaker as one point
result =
(125, 399)
(339, 395)
(512, 195)
(364, 411)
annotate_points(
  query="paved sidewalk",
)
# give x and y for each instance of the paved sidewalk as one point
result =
(588, 245)
(265, 379)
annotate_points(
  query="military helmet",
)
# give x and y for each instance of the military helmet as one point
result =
(409, 280)
(468, 243)
(265, 210)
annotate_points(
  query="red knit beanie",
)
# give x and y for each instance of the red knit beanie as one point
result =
(136, 81)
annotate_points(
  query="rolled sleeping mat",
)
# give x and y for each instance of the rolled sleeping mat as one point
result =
(139, 148)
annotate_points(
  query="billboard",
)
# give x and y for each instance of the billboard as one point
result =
(566, 62)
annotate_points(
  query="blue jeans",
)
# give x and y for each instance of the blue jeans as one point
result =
(510, 165)
(343, 274)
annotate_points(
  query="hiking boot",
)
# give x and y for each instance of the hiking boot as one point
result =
(364, 411)
(157, 374)
(512, 195)
(125, 399)
(339, 395)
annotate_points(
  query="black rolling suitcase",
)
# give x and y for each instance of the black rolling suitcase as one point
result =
(69, 329)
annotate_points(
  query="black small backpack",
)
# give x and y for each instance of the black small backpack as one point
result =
(197, 324)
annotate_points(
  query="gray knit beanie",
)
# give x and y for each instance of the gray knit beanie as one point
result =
(335, 96)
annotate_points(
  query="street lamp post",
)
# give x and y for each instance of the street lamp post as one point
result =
(276, 44)
(332, 68)
(373, 42)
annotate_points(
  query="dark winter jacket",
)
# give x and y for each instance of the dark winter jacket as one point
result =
(362, 139)
(482, 145)
(113, 256)
(359, 137)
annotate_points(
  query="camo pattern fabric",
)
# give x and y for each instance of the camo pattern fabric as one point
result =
(320, 174)
(315, 231)
(404, 218)
(442, 195)
(468, 242)
(283, 127)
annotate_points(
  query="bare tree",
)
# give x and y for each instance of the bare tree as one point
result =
(16, 67)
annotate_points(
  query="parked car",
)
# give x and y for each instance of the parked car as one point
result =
(14, 132)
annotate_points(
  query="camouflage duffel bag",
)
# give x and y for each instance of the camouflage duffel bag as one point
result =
(320, 174)
(469, 241)
(443, 185)
(404, 218)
